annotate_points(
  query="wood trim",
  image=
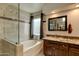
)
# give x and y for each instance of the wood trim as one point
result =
(41, 27)
(31, 27)
(43, 21)
(11, 19)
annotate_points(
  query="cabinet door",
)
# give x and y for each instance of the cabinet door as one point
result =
(49, 48)
(49, 51)
(73, 51)
(61, 50)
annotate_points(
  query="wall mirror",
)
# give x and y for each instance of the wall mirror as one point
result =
(57, 23)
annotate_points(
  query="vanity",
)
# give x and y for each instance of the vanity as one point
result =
(61, 46)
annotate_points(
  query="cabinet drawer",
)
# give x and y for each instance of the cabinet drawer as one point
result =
(74, 46)
(50, 42)
(53, 43)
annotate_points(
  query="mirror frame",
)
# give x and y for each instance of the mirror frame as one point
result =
(55, 23)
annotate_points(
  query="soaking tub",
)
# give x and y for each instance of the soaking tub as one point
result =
(32, 47)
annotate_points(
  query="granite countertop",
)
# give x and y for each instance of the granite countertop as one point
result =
(65, 40)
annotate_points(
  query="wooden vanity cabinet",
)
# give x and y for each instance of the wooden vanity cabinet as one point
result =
(53, 48)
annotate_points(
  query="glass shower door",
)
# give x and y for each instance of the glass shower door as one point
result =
(11, 31)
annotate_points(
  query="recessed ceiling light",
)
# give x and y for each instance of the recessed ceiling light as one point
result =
(77, 5)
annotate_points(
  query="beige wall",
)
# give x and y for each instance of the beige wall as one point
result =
(72, 17)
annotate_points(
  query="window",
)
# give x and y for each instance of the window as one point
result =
(36, 26)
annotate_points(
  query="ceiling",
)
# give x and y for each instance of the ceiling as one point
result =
(49, 7)
(31, 7)
(45, 7)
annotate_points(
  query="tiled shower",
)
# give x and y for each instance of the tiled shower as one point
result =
(14, 28)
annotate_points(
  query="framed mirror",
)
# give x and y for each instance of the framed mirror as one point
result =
(57, 23)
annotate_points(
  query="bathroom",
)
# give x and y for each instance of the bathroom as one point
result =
(36, 29)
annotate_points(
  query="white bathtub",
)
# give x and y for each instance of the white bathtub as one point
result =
(32, 47)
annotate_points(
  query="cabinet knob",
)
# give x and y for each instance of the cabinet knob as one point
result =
(53, 48)
(63, 45)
